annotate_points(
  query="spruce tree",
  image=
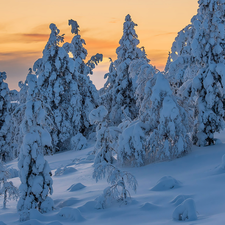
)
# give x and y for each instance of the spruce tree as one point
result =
(82, 70)
(208, 49)
(35, 174)
(122, 88)
(5, 120)
(169, 137)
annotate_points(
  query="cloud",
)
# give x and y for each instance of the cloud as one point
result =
(114, 20)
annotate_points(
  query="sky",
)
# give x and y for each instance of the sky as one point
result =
(24, 29)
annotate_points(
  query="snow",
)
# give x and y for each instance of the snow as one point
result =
(76, 187)
(166, 183)
(196, 171)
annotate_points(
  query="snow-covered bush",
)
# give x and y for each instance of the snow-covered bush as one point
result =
(185, 211)
(119, 181)
(7, 189)
(78, 142)
(35, 174)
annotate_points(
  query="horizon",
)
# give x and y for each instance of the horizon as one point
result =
(101, 26)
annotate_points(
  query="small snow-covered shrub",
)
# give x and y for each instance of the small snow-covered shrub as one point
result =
(185, 211)
(166, 183)
(7, 189)
(78, 142)
(71, 214)
(119, 181)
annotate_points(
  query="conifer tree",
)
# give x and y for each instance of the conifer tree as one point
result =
(35, 174)
(208, 49)
(5, 120)
(89, 95)
(169, 137)
(122, 88)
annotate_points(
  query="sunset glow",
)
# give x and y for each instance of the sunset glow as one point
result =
(24, 29)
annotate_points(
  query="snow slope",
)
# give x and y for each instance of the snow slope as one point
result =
(198, 176)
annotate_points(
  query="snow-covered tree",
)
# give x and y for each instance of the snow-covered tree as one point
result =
(142, 71)
(58, 84)
(169, 137)
(122, 87)
(181, 65)
(35, 174)
(7, 189)
(106, 136)
(5, 120)
(119, 181)
(208, 48)
(89, 95)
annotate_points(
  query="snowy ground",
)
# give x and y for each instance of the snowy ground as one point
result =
(200, 175)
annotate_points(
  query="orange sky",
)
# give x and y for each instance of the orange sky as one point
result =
(24, 29)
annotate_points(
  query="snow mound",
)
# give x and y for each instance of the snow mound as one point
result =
(88, 206)
(185, 211)
(223, 162)
(76, 187)
(71, 214)
(64, 170)
(179, 199)
(149, 206)
(68, 202)
(13, 173)
(166, 183)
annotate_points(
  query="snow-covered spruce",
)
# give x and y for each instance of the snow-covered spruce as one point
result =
(181, 65)
(185, 211)
(119, 181)
(106, 136)
(88, 93)
(208, 50)
(120, 85)
(7, 189)
(169, 138)
(6, 123)
(35, 174)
